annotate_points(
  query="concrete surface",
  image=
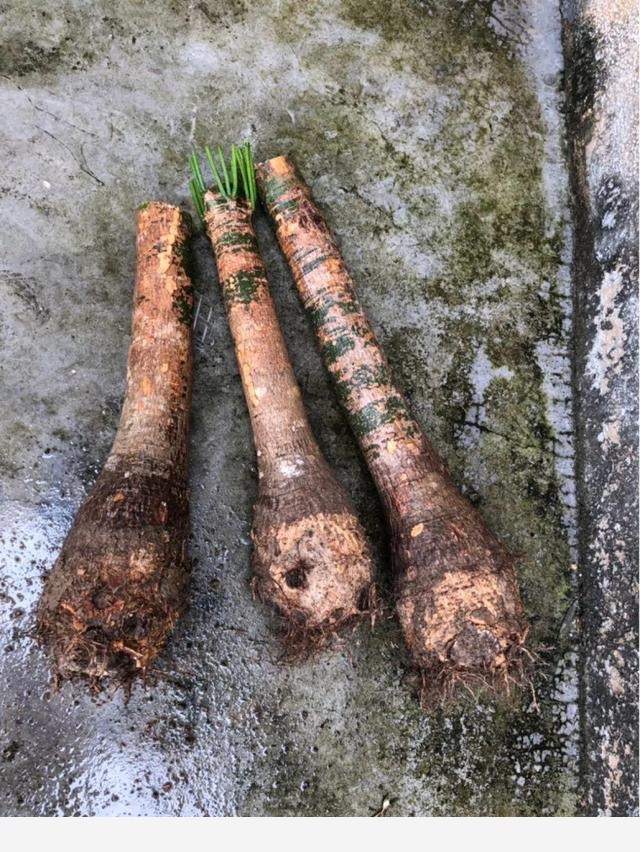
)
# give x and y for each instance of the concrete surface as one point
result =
(602, 58)
(434, 136)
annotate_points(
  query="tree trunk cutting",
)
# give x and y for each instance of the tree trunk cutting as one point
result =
(121, 580)
(311, 559)
(457, 594)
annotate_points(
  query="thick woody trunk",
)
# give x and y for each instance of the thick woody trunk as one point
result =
(457, 593)
(311, 559)
(121, 579)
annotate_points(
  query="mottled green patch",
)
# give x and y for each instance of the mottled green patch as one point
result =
(19, 58)
(503, 217)
(241, 239)
(183, 304)
(318, 313)
(313, 264)
(274, 188)
(16, 435)
(586, 71)
(377, 414)
(324, 303)
(362, 377)
(373, 451)
(348, 306)
(333, 349)
(361, 329)
(461, 24)
(222, 14)
(285, 208)
(524, 506)
(214, 201)
(244, 287)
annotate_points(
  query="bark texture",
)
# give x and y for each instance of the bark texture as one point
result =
(457, 592)
(311, 558)
(121, 580)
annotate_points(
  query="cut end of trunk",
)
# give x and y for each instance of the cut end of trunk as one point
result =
(105, 634)
(463, 619)
(120, 582)
(317, 572)
(441, 686)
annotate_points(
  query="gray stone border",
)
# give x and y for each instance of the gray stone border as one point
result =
(601, 54)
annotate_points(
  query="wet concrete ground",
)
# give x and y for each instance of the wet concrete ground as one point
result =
(433, 137)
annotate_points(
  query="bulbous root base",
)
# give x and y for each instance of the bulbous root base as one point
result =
(119, 584)
(442, 685)
(464, 625)
(107, 646)
(108, 632)
(317, 573)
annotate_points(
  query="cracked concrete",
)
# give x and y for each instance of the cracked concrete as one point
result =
(435, 140)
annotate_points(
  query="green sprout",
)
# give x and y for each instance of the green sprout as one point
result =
(233, 179)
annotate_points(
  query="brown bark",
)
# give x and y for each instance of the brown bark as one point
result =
(311, 559)
(457, 592)
(121, 580)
